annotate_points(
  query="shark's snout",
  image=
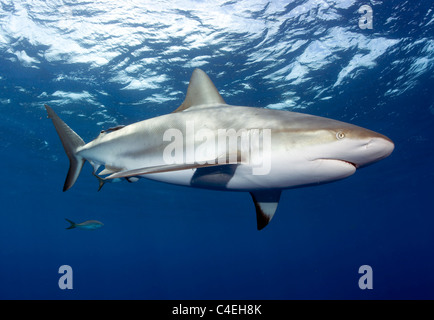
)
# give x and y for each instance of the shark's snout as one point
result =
(382, 143)
(376, 149)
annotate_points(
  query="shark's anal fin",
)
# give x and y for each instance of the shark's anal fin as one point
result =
(266, 204)
(100, 180)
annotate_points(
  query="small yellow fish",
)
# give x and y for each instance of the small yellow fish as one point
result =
(88, 225)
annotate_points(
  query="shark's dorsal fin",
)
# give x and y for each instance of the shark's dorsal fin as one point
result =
(266, 204)
(201, 91)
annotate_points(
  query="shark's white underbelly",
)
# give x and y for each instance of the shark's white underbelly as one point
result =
(281, 176)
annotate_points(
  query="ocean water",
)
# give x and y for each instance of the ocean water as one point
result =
(104, 63)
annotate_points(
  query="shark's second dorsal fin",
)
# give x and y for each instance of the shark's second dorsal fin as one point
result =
(200, 91)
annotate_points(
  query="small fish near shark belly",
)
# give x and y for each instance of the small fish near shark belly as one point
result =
(86, 225)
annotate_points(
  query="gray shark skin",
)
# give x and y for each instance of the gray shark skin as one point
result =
(287, 149)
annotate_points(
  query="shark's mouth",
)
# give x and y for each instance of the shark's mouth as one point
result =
(351, 163)
(340, 160)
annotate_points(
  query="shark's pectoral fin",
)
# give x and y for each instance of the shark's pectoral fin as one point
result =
(161, 169)
(266, 204)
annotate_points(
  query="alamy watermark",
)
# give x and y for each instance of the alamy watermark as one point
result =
(366, 280)
(65, 281)
(366, 20)
(222, 146)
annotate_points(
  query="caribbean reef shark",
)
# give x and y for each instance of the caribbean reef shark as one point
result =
(206, 143)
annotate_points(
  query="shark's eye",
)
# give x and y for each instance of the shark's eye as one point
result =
(340, 135)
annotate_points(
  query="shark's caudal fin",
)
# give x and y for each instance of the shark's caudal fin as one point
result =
(266, 204)
(70, 141)
(72, 226)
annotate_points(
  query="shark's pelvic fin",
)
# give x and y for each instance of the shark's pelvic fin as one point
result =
(109, 170)
(266, 204)
(201, 90)
(71, 142)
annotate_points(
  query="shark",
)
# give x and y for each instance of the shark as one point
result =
(207, 143)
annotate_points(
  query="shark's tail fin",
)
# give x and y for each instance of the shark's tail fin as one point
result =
(72, 226)
(71, 141)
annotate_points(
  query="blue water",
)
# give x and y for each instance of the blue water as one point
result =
(105, 63)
